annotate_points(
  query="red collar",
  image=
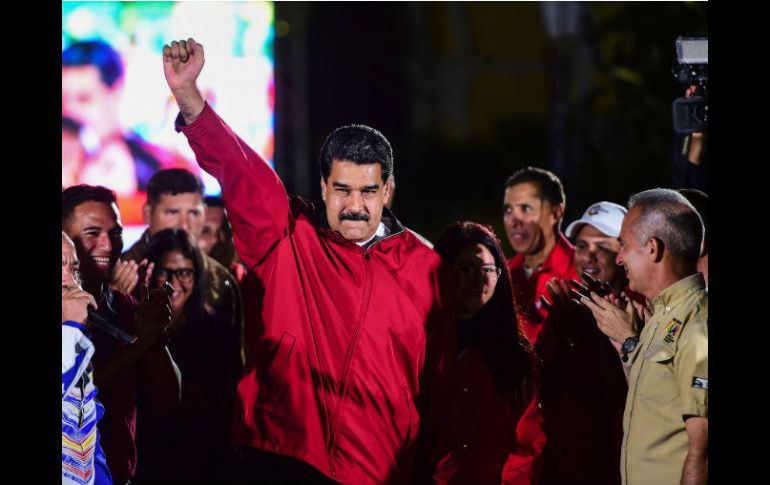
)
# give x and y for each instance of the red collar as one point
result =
(559, 260)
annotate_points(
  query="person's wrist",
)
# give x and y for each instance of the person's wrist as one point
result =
(188, 94)
(628, 346)
(190, 101)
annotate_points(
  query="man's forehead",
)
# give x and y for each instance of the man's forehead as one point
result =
(630, 219)
(351, 173)
(180, 198)
(215, 214)
(523, 191)
(93, 211)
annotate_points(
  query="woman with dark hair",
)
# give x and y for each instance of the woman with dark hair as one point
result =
(195, 445)
(494, 364)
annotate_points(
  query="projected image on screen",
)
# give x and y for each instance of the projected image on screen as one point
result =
(117, 111)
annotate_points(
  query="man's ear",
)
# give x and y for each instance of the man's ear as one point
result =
(387, 190)
(323, 189)
(655, 248)
(147, 213)
(557, 211)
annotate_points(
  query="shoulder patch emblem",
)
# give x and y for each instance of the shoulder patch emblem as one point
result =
(672, 329)
(700, 383)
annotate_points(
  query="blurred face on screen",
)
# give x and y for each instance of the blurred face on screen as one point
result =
(73, 156)
(86, 99)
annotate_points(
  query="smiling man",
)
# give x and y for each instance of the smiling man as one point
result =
(666, 416)
(91, 219)
(583, 386)
(533, 207)
(345, 323)
(596, 244)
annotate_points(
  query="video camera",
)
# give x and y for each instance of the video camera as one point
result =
(692, 69)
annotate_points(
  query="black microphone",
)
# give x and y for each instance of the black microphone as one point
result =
(118, 333)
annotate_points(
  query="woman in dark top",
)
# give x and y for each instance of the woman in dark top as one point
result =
(494, 363)
(196, 444)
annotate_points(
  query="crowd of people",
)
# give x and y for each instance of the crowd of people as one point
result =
(261, 338)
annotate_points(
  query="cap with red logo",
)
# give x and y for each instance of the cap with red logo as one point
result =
(605, 216)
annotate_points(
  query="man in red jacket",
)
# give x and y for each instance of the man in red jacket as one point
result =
(533, 208)
(345, 324)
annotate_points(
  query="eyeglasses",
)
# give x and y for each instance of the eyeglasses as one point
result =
(468, 271)
(185, 275)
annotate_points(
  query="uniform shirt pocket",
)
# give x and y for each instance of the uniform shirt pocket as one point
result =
(658, 380)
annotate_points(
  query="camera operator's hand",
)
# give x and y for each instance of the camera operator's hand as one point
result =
(153, 314)
(697, 139)
(75, 304)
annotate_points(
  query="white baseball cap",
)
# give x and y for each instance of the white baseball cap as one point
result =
(605, 216)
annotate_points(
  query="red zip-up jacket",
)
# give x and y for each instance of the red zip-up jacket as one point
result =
(343, 342)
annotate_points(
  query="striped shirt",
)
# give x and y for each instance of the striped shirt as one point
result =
(83, 460)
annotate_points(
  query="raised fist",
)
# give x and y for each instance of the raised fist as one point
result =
(182, 63)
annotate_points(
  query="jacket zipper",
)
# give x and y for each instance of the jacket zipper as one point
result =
(349, 359)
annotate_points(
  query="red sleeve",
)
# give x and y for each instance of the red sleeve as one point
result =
(523, 465)
(255, 199)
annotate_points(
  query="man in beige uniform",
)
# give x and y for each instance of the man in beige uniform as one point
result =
(665, 424)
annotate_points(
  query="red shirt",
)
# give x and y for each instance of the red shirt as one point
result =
(344, 343)
(527, 291)
(523, 467)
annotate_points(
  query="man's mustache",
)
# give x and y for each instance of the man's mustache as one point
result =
(354, 216)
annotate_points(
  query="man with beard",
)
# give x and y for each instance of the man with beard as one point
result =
(91, 219)
(345, 323)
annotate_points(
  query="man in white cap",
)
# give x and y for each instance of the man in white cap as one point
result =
(596, 244)
(583, 384)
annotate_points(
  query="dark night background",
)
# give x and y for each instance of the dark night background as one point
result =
(469, 92)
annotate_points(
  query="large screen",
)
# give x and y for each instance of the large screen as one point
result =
(117, 111)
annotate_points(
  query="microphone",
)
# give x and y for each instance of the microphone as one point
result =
(118, 333)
